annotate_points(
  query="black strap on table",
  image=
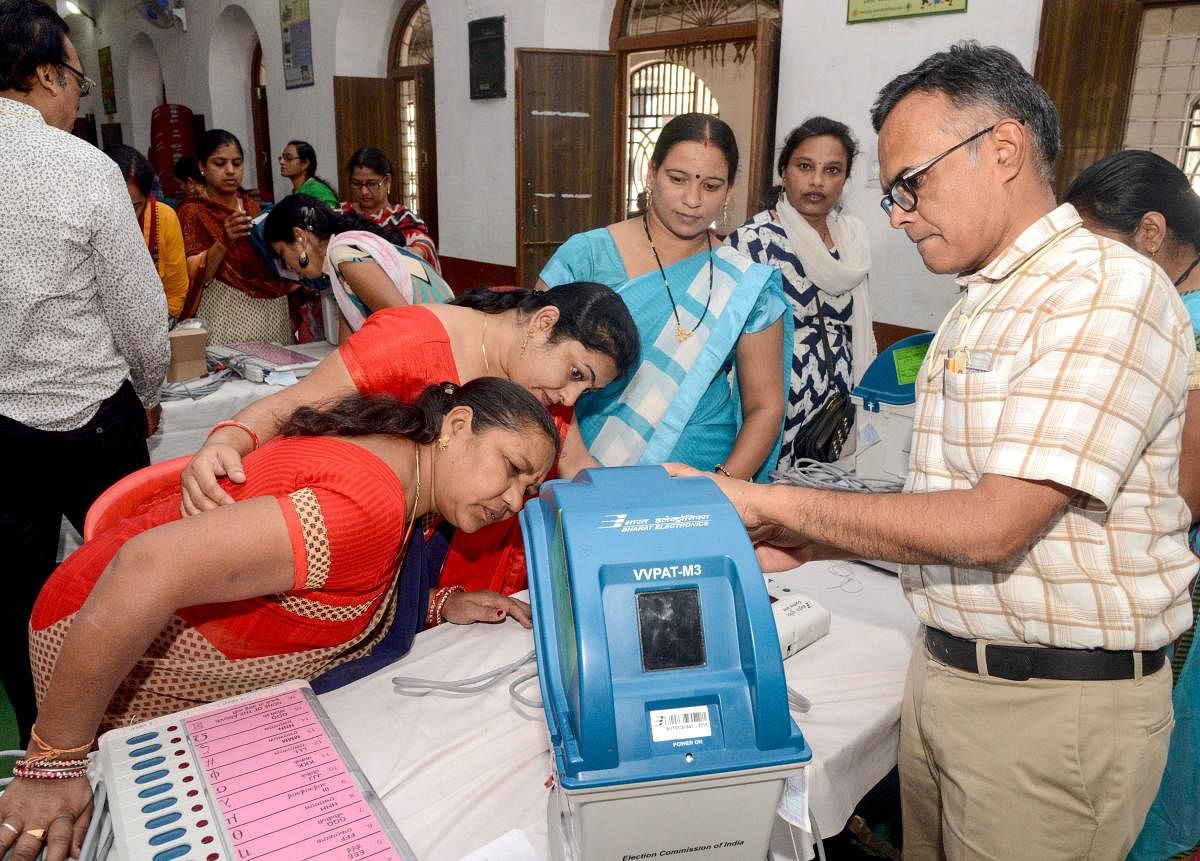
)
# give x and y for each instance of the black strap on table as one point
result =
(1018, 663)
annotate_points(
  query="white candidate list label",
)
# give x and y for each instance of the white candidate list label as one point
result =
(674, 724)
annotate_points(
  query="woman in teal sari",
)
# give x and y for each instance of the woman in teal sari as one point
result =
(709, 389)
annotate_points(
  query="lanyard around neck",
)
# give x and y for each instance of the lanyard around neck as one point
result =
(998, 290)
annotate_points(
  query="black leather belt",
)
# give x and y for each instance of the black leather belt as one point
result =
(1019, 663)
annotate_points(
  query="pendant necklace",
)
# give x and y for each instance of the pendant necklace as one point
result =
(681, 334)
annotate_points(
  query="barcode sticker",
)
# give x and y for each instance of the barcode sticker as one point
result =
(673, 724)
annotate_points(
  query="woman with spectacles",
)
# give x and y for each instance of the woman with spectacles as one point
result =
(370, 186)
(824, 257)
(298, 163)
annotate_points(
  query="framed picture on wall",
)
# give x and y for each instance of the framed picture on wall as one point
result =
(296, 28)
(108, 89)
(861, 11)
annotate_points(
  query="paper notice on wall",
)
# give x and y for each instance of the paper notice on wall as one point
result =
(296, 28)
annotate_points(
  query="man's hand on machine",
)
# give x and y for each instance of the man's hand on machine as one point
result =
(199, 480)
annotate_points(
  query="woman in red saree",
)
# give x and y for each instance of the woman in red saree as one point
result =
(556, 346)
(297, 576)
(231, 286)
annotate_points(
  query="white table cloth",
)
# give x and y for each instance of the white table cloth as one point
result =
(458, 772)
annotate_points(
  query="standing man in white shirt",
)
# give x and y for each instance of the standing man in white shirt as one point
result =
(83, 322)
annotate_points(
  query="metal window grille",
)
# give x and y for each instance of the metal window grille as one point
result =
(416, 49)
(408, 145)
(1164, 106)
(661, 16)
(658, 92)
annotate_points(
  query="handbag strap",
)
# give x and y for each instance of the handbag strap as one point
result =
(825, 342)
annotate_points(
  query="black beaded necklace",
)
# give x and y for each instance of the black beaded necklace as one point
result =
(681, 334)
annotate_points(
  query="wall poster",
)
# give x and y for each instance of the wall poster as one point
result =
(296, 27)
(108, 88)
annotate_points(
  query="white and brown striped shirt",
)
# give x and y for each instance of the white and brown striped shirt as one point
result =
(1077, 352)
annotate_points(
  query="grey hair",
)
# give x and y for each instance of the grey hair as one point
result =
(973, 76)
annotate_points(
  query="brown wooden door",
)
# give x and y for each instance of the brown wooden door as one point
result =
(760, 174)
(264, 159)
(566, 117)
(1086, 55)
(427, 150)
(364, 112)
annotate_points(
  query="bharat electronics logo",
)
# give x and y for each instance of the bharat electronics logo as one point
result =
(624, 523)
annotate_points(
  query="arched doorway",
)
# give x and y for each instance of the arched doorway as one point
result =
(732, 48)
(410, 65)
(231, 78)
(145, 89)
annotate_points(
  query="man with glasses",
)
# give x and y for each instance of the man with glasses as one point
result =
(83, 322)
(1041, 531)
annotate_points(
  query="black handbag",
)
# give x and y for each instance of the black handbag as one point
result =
(824, 435)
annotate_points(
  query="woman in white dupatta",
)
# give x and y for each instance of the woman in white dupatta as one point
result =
(824, 257)
(366, 271)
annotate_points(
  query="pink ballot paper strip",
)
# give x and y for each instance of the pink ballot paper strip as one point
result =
(260, 777)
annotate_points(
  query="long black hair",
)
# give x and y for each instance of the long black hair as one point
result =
(1119, 189)
(810, 128)
(494, 403)
(699, 128)
(305, 152)
(133, 165)
(590, 313)
(308, 213)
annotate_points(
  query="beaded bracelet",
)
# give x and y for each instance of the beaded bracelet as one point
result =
(232, 423)
(442, 596)
(43, 774)
(45, 765)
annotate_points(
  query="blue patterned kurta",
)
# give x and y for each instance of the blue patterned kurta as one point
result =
(764, 239)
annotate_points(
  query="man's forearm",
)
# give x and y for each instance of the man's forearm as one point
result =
(983, 527)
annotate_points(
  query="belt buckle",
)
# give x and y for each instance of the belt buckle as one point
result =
(1010, 664)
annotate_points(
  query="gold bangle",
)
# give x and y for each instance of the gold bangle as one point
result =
(720, 467)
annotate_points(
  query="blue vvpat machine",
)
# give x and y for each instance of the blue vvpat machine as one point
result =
(660, 670)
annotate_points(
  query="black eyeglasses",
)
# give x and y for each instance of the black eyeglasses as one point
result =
(904, 194)
(86, 84)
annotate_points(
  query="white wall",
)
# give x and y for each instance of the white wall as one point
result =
(836, 69)
(826, 67)
(145, 90)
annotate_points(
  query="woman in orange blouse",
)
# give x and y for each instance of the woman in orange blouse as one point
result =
(160, 225)
(299, 575)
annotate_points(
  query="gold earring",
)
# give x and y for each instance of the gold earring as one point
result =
(524, 344)
(725, 212)
(1153, 251)
(442, 442)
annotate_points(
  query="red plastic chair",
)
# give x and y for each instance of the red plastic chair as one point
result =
(133, 494)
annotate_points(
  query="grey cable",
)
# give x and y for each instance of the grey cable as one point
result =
(828, 476)
(411, 686)
(518, 696)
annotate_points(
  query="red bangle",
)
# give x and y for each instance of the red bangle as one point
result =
(231, 423)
